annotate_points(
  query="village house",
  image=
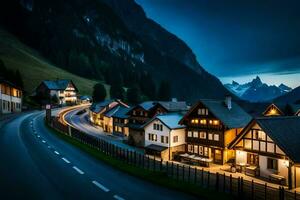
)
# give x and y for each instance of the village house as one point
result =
(164, 136)
(269, 147)
(62, 91)
(210, 127)
(10, 97)
(108, 117)
(120, 120)
(142, 113)
(97, 111)
(85, 99)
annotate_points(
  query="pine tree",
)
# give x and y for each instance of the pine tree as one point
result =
(18, 79)
(164, 91)
(117, 92)
(99, 92)
(133, 95)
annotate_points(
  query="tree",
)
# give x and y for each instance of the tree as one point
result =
(117, 92)
(18, 79)
(164, 91)
(148, 87)
(133, 95)
(99, 92)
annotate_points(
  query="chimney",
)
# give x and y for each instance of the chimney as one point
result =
(174, 99)
(228, 102)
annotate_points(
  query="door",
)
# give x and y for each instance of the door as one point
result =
(297, 169)
(218, 156)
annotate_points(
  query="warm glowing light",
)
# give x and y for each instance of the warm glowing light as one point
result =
(216, 122)
(203, 121)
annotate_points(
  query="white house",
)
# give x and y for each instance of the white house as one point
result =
(164, 136)
(10, 98)
(269, 147)
(64, 90)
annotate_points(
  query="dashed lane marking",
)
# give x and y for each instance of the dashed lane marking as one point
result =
(102, 187)
(64, 159)
(43, 141)
(78, 170)
(56, 152)
(118, 197)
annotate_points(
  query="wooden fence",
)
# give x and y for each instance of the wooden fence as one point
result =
(238, 187)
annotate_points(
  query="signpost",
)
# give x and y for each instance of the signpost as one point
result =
(48, 112)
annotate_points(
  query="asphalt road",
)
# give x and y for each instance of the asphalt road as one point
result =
(35, 164)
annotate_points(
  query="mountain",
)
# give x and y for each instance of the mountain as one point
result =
(33, 67)
(152, 33)
(290, 97)
(257, 91)
(110, 41)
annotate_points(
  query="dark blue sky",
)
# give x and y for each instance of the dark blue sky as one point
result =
(235, 39)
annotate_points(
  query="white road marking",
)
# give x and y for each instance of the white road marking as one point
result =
(118, 197)
(78, 170)
(65, 160)
(102, 187)
(44, 141)
(38, 136)
(56, 152)
(49, 147)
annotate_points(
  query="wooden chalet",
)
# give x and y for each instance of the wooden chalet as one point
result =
(210, 127)
(269, 147)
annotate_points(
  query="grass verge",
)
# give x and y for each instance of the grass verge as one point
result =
(158, 178)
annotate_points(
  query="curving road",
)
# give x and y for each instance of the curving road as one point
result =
(35, 164)
(81, 123)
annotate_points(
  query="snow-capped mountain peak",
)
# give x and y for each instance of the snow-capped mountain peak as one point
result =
(256, 90)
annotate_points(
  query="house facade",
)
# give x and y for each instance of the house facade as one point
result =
(142, 113)
(63, 91)
(210, 127)
(10, 98)
(269, 147)
(164, 136)
(108, 125)
(120, 121)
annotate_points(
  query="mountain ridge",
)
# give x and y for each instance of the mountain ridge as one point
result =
(257, 91)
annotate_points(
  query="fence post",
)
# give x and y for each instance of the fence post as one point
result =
(230, 183)
(202, 177)
(224, 182)
(161, 163)
(239, 186)
(172, 170)
(295, 195)
(217, 181)
(266, 191)
(183, 172)
(177, 172)
(195, 175)
(208, 178)
(167, 169)
(252, 189)
(242, 186)
(189, 174)
(283, 191)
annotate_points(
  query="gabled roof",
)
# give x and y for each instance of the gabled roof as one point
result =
(284, 131)
(2, 80)
(110, 112)
(235, 117)
(121, 113)
(85, 97)
(295, 108)
(171, 120)
(170, 106)
(280, 107)
(61, 84)
(97, 107)
(174, 106)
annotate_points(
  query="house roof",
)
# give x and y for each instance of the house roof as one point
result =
(295, 108)
(97, 107)
(284, 131)
(235, 117)
(155, 147)
(85, 97)
(2, 80)
(280, 107)
(60, 84)
(171, 120)
(121, 112)
(171, 106)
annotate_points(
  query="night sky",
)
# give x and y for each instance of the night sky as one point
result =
(237, 39)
